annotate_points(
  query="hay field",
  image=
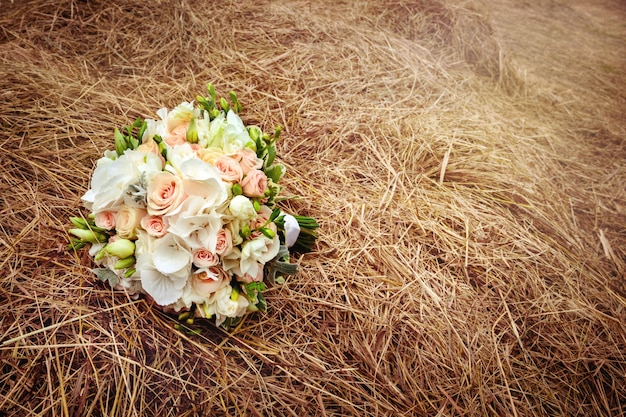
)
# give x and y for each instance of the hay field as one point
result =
(466, 162)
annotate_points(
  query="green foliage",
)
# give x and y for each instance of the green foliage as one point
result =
(130, 137)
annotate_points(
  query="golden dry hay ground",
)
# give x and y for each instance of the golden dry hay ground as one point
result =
(466, 162)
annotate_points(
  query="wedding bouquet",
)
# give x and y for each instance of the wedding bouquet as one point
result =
(184, 210)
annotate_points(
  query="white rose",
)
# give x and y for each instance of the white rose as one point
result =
(241, 207)
(255, 253)
(203, 124)
(222, 306)
(236, 135)
(227, 133)
(179, 114)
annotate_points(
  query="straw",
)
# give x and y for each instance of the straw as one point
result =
(465, 162)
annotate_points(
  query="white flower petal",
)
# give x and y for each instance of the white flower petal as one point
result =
(162, 288)
(292, 230)
(170, 256)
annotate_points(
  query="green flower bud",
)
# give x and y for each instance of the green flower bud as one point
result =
(269, 233)
(120, 142)
(163, 149)
(192, 131)
(124, 263)
(100, 254)
(234, 295)
(89, 236)
(79, 222)
(130, 272)
(205, 310)
(254, 132)
(122, 248)
(245, 231)
(256, 205)
(278, 131)
(224, 104)
(237, 190)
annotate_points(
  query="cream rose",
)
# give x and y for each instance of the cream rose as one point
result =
(254, 183)
(105, 220)
(127, 221)
(154, 225)
(210, 155)
(204, 258)
(229, 168)
(165, 193)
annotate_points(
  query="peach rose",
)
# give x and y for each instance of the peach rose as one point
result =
(150, 146)
(262, 217)
(208, 280)
(197, 148)
(248, 160)
(178, 136)
(127, 221)
(165, 193)
(224, 242)
(254, 183)
(154, 225)
(105, 220)
(229, 168)
(204, 258)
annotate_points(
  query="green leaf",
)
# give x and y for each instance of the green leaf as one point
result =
(275, 214)
(254, 290)
(275, 172)
(231, 322)
(76, 245)
(261, 304)
(142, 130)
(279, 266)
(105, 274)
(271, 154)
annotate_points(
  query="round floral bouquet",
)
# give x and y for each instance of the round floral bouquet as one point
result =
(184, 210)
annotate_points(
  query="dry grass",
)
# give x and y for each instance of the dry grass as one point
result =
(467, 168)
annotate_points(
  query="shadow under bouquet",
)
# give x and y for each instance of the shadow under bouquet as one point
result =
(185, 211)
